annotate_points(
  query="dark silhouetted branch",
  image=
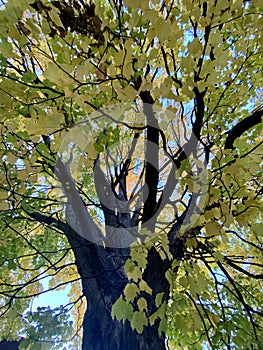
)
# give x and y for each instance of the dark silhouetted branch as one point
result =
(243, 126)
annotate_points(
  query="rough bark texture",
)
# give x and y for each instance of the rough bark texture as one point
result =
(9, 345)
(103, 281)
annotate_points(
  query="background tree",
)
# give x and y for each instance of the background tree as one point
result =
(196, 277)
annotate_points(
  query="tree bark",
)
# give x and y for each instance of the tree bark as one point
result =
(103, 281)
(243, 126)
(101, 332)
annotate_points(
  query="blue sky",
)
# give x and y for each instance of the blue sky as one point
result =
(51, 298)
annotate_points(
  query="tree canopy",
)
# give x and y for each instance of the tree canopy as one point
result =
(131, 169)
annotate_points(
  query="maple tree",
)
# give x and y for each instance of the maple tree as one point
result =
(131, 148)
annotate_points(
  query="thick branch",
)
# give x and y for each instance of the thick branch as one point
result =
(108, 200)
(176, 244)
(243, 126)
(94, 265)
(151, 161)
(186, 150)
(77, 215)
(200, 111)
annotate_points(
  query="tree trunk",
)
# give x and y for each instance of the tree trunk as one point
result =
(103, 281)
(101, 332)
(9, 345)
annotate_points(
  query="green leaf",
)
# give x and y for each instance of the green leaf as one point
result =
(139, 320)
(134, 273)
(199, 64)
(144, 287)
(142, 304)
(25, 344)
(122, 310)
(159, 299)
(257, 229)
(162, 326)
(159, 313)
(130, 291)
(257, 3)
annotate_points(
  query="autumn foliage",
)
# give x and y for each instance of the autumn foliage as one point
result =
(131, 170)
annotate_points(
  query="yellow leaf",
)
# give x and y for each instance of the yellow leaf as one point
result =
(215, 38)
(163, 31)
(144, 287)
(4, 205)
(52, 71)
(194, 47)
(3, 194)
(130, 291)
(22, 175)
(214, 318)
(257, 3)
(212, 228)
(184, 281)
(11, 158)
(119, 57)
(142, 304)
(55, 17)
(135, 273)
(135, 4)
